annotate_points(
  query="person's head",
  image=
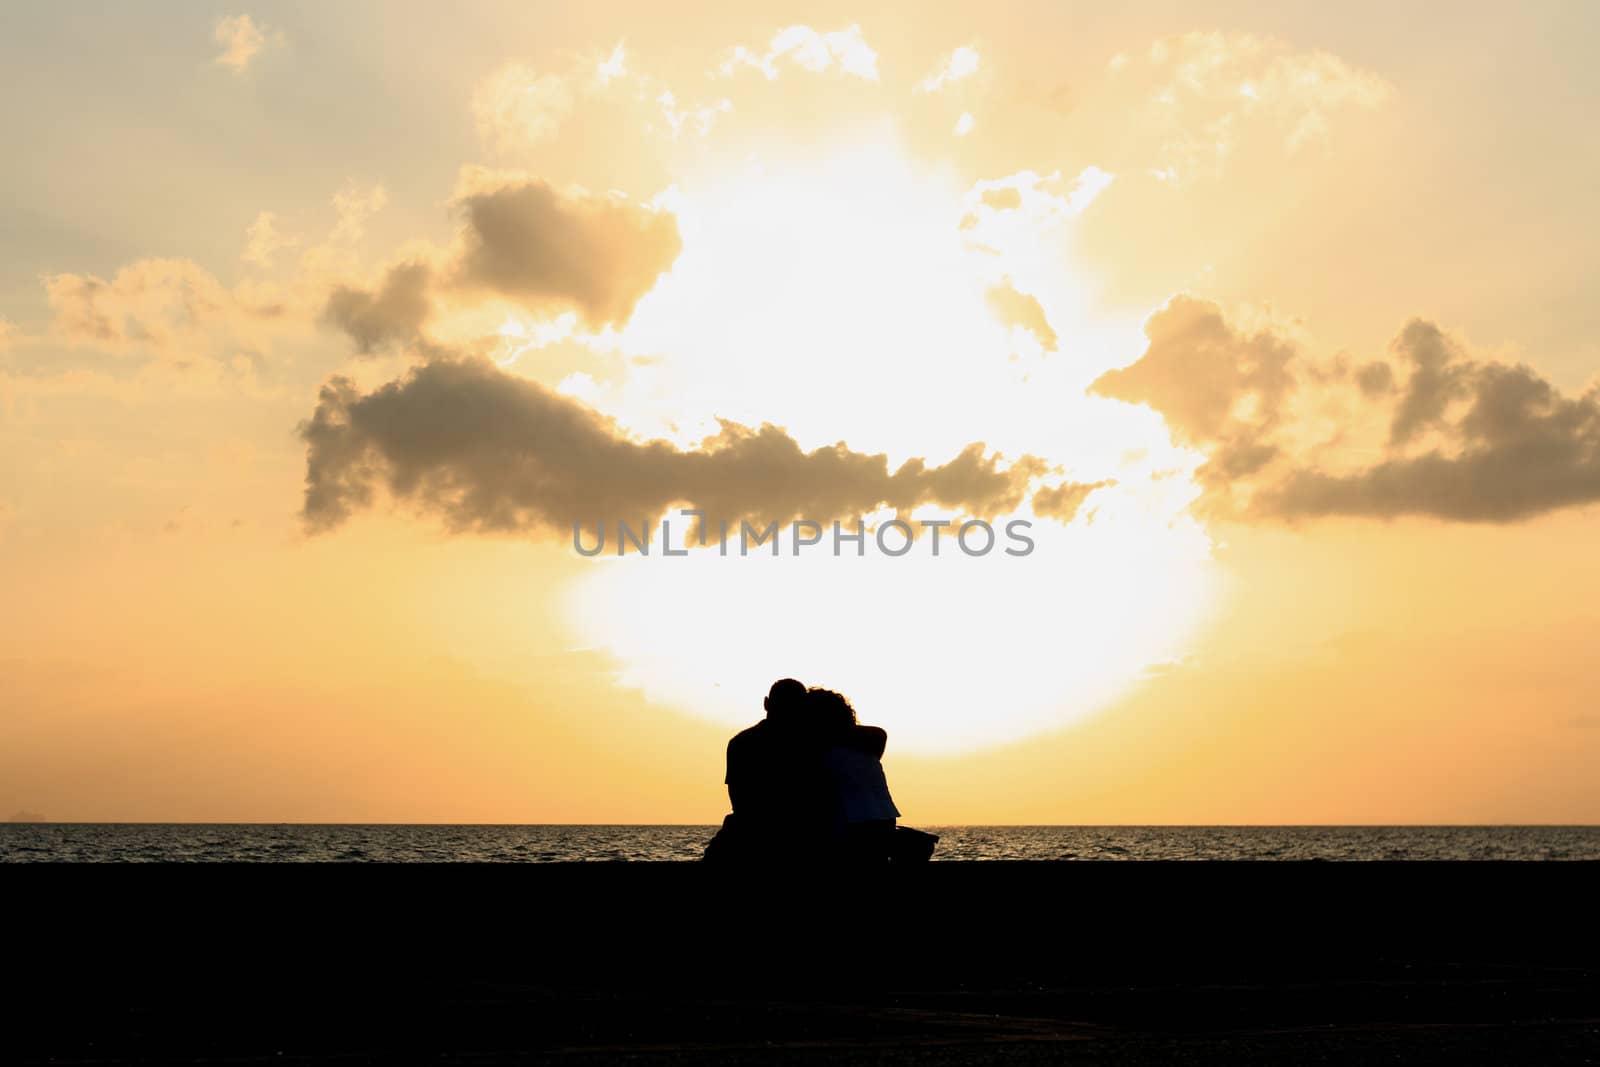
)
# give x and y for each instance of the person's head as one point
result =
(829, 711)
(785, 700)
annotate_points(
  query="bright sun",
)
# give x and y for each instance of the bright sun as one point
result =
(841, 298)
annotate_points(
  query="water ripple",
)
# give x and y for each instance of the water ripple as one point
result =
(388, 843)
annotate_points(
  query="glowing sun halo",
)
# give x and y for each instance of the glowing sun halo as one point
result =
(839, 298)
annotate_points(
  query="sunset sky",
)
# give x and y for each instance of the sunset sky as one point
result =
(321, 324)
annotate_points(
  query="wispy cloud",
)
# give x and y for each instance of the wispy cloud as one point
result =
(613, 66)
(846, 50)
(962, 63)
(263, 240)
(517, 105)
(1199, 98)
(241, 40)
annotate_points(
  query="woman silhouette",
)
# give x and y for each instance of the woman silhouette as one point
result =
(864, 813)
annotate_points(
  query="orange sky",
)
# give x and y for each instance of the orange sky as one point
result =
(318, 328)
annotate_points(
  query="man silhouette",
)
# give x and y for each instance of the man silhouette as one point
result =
(775, 784)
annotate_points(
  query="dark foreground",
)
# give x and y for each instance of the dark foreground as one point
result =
(671, 963)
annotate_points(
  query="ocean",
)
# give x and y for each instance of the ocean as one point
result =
(438, 843)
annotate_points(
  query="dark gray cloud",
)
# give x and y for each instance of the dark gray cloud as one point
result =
(523, 241)
(489, 451)
(1437, 377)
(1518, 449)
(392, 315)
(598, 254)
(1375, 378)
(1468, 440)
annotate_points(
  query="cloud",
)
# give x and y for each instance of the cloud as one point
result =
(1020, 309)
(488, 451)
(1044, 201)
(179, 313)
(1438, 376)
(699, 119)
(1206, 378)
(8, 334)
(241, 40)
(1007, 199)
(516, 106)
(1086, 188)
(149, 301)
(521, 241)
(262, 240)
(1461, 439)
(1375, 379)
(1509, 446)
(354, 206)
(613, 66)
(1198, 98)
(1063, 501)
(526, 241)
(1221, 390)
(962, 63)
(811, 51)
(171, 307)
(393, 315)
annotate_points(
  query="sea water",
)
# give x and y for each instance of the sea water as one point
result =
(438, 843)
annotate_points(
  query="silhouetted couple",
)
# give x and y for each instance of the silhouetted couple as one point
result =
(807, 786)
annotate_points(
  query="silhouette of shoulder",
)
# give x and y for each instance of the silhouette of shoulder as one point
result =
(746, 745)
(751, 737)
(869, 739)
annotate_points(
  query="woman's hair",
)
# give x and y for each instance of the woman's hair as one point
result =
(830, 710)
